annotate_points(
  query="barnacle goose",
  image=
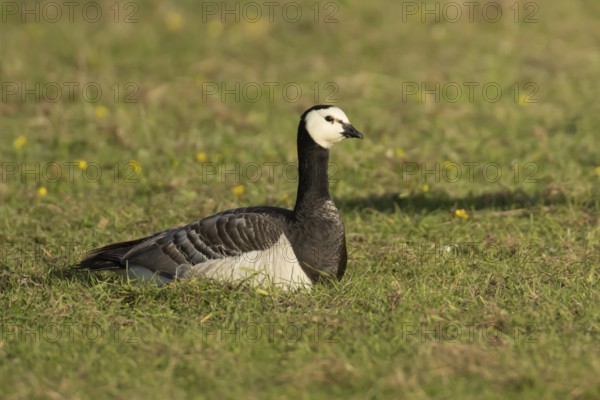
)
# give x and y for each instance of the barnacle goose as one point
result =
(261, 245)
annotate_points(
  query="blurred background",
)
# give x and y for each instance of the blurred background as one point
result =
(123, 118)
(508, 82)
(108, 106)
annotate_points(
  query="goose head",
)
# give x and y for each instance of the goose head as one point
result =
(328, 125)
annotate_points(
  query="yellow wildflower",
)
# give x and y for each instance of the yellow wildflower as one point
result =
(137, 168)
(425, 188)
(82, 164)
(400, 153)
(20, 141)
(461, 213)
(238, 190)
(597, 170)
(174, 21)
(101, 112)
(42, 192)
(201, 156)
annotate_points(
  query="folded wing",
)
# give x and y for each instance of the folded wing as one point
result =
(236, 244)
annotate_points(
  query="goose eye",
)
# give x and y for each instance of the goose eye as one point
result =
(329, 118)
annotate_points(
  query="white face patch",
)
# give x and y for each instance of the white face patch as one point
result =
(325, 126)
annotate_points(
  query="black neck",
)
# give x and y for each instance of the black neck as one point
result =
(313, 161)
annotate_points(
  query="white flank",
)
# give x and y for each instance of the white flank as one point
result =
(323, 132)
(275, 266)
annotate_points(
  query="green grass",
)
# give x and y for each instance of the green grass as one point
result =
(503, 304)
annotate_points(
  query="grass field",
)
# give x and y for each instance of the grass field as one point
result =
(471, 207)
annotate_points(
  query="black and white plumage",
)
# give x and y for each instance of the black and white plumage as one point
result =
(263, 245)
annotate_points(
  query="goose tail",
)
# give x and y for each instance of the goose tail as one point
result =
(108, 257)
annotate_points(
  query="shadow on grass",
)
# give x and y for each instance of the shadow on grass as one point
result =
(439, 200)
(22, 279)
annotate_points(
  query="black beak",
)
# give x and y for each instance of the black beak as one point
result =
(350, 132)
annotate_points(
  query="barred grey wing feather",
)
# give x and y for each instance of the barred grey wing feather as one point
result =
(228, 234)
